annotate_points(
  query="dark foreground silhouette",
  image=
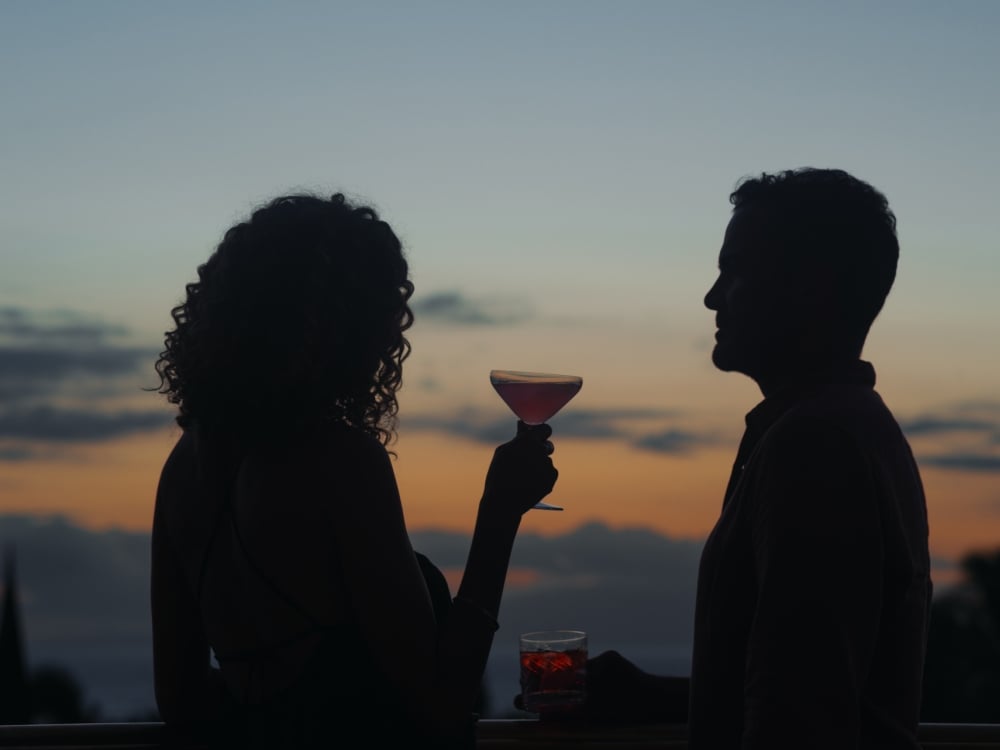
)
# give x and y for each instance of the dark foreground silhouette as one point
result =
(814, 586)
(279, 543)
(960, 678)
(962, 674)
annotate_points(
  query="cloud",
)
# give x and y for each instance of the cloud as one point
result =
(467, 424)
(14, 452)
(675, 438)
(56, 346)
(47, 423)
(455, 308)
(18, 324)
(674, 441)
(60, 376)
(85, 595)
(935, 425)
(31, 372)
(606, 423)
(964, 437)
(976, 462)
(587, 424)
(620, 424)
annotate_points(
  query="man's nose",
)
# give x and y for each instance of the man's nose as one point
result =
(712, 297)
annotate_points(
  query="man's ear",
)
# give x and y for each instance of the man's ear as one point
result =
(819, 292)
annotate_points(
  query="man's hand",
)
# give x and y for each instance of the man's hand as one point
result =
(615, 688)
(618, 691)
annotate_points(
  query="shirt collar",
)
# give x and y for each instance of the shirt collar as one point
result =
(857, 372)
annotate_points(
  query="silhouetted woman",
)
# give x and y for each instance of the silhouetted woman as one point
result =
(279, 544)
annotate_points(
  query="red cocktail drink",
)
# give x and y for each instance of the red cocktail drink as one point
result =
(553, 671)
(534, 396)
(535, 403)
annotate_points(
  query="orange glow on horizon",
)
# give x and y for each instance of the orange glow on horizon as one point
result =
(98, 486)
(517, 578)
(113, 485)
(441, 478)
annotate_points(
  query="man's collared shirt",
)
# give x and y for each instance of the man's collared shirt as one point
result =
(814, 586)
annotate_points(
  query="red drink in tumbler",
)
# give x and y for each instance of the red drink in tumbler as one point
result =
(553, 671)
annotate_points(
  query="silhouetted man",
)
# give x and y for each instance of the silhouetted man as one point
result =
(814, 586)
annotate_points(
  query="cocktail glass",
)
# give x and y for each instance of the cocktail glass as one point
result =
(535, 397)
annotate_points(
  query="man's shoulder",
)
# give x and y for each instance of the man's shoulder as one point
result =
(848, 408)
(849, 421)
(808, 438)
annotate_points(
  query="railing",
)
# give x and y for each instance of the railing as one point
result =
(493, 734)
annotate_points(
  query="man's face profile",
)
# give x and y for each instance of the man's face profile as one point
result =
(752, 299)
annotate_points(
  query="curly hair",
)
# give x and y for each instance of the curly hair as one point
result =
(296, 319)
(829, 216)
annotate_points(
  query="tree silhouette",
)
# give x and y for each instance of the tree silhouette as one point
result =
(15, 692)
(57, 698)
(962, 670)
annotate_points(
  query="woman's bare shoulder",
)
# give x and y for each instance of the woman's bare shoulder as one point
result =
(180, 497)
(336, 458)
(332, 447)
(179, 466)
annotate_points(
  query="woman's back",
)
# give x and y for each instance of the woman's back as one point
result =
(254, 534)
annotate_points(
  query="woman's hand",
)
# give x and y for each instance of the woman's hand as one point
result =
(522, 472)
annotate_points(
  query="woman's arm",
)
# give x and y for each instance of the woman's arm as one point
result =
(438, 678)
(187, 688)
(520, 475)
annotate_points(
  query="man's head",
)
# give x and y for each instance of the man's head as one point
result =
(807, 261)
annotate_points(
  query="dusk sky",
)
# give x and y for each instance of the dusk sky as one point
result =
(559, 175)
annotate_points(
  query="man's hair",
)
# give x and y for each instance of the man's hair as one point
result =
(826, 218)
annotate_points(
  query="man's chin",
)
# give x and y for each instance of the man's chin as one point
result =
(725, 359)
(728, 359)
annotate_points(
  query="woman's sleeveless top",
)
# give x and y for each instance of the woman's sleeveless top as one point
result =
(341, 699)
